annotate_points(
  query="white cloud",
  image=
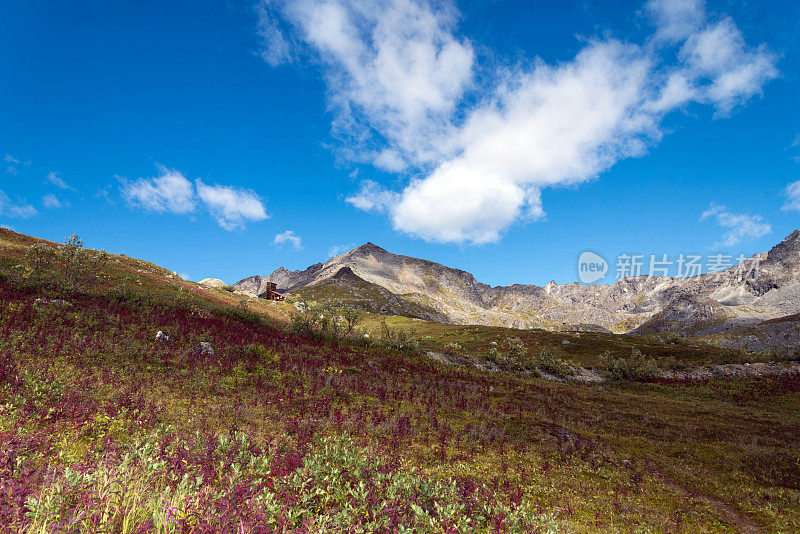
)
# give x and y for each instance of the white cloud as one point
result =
(395, 71)
(8, 158)
(792, 193)
(725, 70)
(372, 197)
(399, 82)
(172, 192)
(18, 209)
(276, 48)
(741, 227)
(290, 238)
(169, 192)
(675, 19)
(51, 201)
(552, 126)
(231, 206)
(55, 179)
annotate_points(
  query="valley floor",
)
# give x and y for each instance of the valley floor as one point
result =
(104, 427)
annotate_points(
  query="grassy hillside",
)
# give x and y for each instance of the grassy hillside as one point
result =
(582, 348)
(236, 424)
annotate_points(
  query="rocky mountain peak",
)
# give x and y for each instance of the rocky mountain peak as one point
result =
(453, 295)
(366, 249)
(787, 251)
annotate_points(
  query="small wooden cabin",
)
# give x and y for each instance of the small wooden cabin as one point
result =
(271, 292)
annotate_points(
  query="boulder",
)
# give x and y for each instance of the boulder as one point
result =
(162, 337)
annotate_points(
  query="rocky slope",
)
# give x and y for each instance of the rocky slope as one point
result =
(703, 304)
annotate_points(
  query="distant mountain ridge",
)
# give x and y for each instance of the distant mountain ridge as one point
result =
(453, 295)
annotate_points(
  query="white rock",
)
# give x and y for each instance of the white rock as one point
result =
(162, 337)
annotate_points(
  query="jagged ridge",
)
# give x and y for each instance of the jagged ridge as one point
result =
(459, 298)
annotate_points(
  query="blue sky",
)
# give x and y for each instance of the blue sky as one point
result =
(226, 139)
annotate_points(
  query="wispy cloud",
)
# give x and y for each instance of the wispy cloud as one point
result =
(792, 193)
(740, 227)
(231, 206)
(169, 192)
(51, 202)
(172, 192)
(55, 178)
(289, 238)
(372, 197)
(17, 209)
(395, 71)
(12, 164)
(406, 97)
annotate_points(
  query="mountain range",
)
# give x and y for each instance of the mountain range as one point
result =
(374, 279)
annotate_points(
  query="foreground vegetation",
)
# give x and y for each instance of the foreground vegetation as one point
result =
(232, 422)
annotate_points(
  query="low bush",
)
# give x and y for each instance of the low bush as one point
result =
(228, 483)
(332, 322)
(399, 339)
(637, 366)
(516, 348)
(69, 267)
(674, 337)
(261, 353)
(551, 364)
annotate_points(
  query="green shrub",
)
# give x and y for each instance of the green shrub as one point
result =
(516, 348)
(262, 353)
(352, 317)
(333, 322)
(69, 267)
(305, 320)
(674, 337)
(399, 338)
(637, 366)
(550, 363)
